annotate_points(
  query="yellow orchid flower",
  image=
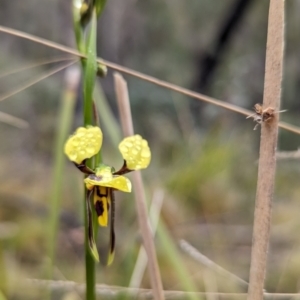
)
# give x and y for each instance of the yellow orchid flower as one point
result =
(102, 181)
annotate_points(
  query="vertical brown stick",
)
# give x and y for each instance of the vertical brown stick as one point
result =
(267, 158)
(140, 200)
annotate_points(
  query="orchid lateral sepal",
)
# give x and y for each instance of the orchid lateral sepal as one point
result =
(123, 170)
(104, 201)
(111, 253)
(84, 168)
(88, 171)
(89, 215)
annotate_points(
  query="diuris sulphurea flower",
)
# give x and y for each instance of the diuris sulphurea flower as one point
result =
(102, 181)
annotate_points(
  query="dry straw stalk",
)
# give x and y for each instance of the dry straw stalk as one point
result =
(140, 199)
(267, 154)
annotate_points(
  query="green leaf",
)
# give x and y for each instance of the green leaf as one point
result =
(77, 25)
(99, 5)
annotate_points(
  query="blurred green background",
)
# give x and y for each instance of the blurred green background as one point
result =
(204, 158)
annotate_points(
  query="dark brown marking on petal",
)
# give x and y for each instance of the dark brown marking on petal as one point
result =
(99, 208)
(101, 195)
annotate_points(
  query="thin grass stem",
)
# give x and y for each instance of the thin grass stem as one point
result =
(267, 152)
(36, 64)
(199, 257)
(14, 121)
(118, 292)
(168, 245)
(36, 80)
(288, 155)
(141, 262)
(144, 77)
(140, 199)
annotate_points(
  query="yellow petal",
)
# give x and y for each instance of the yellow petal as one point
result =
(120, 183)
(117, 182)
(85, 143)
(136, 152)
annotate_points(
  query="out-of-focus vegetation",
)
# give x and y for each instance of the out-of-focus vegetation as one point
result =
(205, 158)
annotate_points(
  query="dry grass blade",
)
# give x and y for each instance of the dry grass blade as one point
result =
(14, 121)
(210, 284)
(288, 154)
(142, 76)
(141, 262)
(36, 64)
(178, 89)
(115, 292)
(267, 155)
(39, 40)
(140, 200)
(192, 94)
(123, 105)
(36, 80)
(289, 127)
(199, 257)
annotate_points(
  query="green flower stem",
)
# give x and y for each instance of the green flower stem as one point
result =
(89, 70)
(90, 270)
